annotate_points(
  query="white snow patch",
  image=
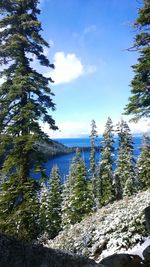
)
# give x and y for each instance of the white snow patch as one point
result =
(138, 249)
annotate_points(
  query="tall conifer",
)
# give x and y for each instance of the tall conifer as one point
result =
(54, 210)
(139, 101)
(125, 168)
(80, 200)
(106, 165)
(143, 164)
(25, 98)
(93, 174)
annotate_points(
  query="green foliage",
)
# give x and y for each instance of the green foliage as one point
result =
(50, 205)
(43, 208)
(77, 201)
(106, 166)
(143, 164)
(93, 137)
(25, 98)
(93, 175)
(54, 203)
(139, 102)
(19, 209)
(125, 177)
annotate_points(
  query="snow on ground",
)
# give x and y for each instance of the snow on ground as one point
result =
(139, 248)
(112, 229)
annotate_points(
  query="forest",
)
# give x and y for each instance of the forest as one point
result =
(31, 208)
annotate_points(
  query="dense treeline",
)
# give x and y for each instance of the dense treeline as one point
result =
(113, 177)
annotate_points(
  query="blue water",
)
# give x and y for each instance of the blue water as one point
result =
(63, 161)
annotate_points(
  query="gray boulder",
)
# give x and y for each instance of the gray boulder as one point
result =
(116, 260)
(14, 253)
(146, 254)
(123, 260)
(147, 217)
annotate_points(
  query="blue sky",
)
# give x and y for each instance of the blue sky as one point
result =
(93, 71)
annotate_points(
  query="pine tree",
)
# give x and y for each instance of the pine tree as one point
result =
(54, 212)
(66, 192)
(80, 201)
(139, 102)
(125, 170)
(93, 174)
(43, 208)
(19, 209)
(143, 164)
(106, 165)
(25, 98)
(93, 137)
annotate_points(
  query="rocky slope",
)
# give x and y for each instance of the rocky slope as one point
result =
(112, 229)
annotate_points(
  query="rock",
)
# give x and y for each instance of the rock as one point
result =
(122, 260)
(116, 260)
(14, 253)
(147, 217)
(146, 254)
(98, 248)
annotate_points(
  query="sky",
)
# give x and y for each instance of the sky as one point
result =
(88, 45)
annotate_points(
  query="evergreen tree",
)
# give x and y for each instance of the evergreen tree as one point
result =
(19, 209)
(106, 165)
(43, 208)
(93, 174)
(50, 205)
(125, 170)
(25, 97)
(143, 164)
(66, 192)
(93, 137)
(54, 212)
(80, 201)
(139, 102)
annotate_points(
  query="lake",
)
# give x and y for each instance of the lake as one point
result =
(64, 161)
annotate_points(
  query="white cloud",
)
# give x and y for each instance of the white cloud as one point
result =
(72, 129)
(68, 67)
(143, 126)
(67, 129)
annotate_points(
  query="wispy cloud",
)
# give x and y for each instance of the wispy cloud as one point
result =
(67, 129)
(71, 129)
(68, 67)
(83, 36)
(89, 69)
(89, 29)
(141, 127)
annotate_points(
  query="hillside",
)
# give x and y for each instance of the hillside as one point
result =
(111, 229)
(53, 148)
